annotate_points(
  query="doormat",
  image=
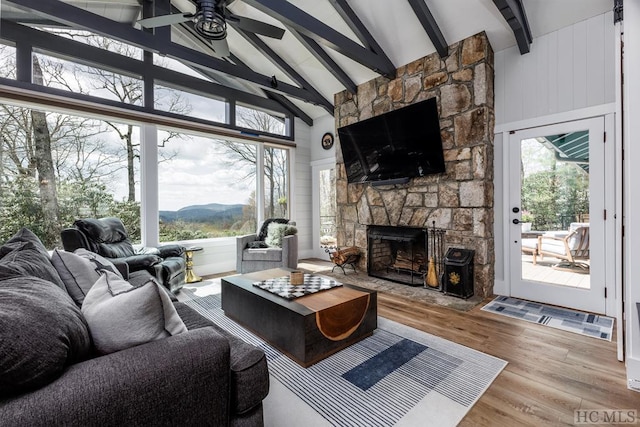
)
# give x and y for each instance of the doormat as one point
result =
(397, 376)
(566, 319)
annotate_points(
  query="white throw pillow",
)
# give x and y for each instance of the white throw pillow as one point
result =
(276, 232)
(120, 315)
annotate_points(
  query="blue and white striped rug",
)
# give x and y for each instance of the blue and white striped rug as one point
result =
(398, 376)
(566, 319)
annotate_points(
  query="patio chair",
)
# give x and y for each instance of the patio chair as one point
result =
(569, 246)
(530, 247)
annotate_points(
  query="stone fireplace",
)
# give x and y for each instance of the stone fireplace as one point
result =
(460, 200)
(397, 253)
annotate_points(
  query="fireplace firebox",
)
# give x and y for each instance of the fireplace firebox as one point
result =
(398, 254)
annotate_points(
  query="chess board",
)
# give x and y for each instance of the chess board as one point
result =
(282, 287)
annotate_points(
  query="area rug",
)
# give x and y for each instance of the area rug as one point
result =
(398, 376)
(578, 322)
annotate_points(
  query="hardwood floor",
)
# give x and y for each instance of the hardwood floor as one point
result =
(551, 373)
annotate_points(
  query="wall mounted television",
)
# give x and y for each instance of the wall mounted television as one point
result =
(394, 147)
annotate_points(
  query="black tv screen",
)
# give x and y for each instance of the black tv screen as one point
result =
(395, 146)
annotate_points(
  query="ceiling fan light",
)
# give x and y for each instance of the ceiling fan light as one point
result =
(212, 26)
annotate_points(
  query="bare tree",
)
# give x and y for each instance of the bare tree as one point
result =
(275, 160)
(126, 89)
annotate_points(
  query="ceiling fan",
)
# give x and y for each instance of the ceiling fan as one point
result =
(210, 21)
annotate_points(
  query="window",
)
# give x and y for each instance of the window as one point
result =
(207, 187)
(98, 41)
(76, 167)
(8, 61)
(264, 121)
(276, 182)
(66, 75)
(189, 104)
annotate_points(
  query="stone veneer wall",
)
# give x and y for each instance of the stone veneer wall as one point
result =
(461, 200)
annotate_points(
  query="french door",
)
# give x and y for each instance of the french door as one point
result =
(557, 214)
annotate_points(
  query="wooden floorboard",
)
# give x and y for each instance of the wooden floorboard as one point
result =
(551, 373)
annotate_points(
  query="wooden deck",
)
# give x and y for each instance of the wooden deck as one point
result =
(543, 271)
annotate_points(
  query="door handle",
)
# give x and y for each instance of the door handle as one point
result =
(516, 221)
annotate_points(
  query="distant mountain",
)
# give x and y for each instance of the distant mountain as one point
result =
(212, 212)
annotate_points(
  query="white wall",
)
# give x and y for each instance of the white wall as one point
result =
(301, 188)
(566, 70)
(631, 127)
(322, 125)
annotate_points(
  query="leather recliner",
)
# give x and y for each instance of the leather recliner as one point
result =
(108, 237)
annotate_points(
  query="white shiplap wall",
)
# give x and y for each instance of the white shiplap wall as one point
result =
(566, 70)
(301, 189)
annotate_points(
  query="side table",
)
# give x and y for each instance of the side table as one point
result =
(190, 276)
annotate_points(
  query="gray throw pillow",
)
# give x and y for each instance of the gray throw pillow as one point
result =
(79, 271)
(41, 332)
(122, 316)
(99, 262)
(25, 259)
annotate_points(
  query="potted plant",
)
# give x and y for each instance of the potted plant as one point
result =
(526, 221)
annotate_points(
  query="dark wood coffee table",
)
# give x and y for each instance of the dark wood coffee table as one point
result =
(306, 329)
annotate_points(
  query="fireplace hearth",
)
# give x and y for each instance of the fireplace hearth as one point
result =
(398, 254)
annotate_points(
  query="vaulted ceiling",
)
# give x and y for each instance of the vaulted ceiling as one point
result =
(328, 45)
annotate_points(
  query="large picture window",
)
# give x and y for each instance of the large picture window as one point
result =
(56, 168)
(206, 187)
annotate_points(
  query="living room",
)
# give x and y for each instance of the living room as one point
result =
(505, 85)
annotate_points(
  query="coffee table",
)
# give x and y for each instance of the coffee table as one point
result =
(306, 329)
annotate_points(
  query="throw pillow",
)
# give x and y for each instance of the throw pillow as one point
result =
(79, 271)
(41, 332)
(24, 258)
(264, 229)
(122, 316)
(277, 232)
(98, 261)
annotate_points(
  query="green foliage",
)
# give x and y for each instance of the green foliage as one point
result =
(556, 197)
(20, 207)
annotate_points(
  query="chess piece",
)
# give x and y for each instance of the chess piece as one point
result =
(432, 279)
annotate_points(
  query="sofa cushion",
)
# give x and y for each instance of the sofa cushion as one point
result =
(249, 371)
(26, 258)
(41, 332)
(122, 316)
(79, 271)
(266, 254)
(277, 232)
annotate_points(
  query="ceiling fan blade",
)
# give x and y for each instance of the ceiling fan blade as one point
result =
(221, 47)
(257, 27)
(163, 20)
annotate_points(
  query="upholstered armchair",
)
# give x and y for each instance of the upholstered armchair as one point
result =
(569, 246)
(264, 250)
(108, 237)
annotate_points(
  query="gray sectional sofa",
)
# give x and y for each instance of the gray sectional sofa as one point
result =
(54, 372)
